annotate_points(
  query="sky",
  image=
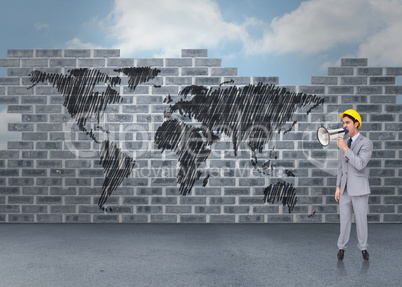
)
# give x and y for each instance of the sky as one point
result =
(289, 39)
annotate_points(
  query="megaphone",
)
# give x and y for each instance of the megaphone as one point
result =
(324, 136)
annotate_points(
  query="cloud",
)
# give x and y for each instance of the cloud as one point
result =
(363, 28)
(40, 26)
(5, 135)
(166, 27)
(384, 47)
(77, 44)
(317, 26)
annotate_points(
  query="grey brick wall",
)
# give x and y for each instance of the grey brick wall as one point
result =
(53, 174)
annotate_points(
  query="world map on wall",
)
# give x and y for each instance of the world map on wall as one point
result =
(250, 114)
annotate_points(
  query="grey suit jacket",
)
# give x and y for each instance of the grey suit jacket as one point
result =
(352, 167)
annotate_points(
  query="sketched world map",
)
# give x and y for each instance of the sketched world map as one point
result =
(250, 114)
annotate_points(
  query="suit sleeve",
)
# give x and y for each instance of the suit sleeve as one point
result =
(360, 161)
(339, 174)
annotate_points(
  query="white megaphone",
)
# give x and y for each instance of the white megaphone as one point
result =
(324, 136)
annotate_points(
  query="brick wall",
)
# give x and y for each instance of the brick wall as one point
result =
(53, 174)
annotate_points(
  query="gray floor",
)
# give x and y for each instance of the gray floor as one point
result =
(195, 255)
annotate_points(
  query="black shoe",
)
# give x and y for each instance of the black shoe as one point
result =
(366, 255)
(340, 255)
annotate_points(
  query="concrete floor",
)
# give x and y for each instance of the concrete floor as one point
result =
(195, 255)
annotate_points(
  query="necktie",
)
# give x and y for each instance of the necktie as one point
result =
(349, 142)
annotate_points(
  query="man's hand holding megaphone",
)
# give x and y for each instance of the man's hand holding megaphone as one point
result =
(342, 144)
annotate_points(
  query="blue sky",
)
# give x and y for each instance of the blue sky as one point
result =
(290, 39)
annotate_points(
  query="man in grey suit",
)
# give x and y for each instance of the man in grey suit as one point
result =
(352, 185)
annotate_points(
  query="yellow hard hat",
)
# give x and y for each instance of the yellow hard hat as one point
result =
(354, 115)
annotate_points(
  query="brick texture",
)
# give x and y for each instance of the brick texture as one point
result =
(53, 174)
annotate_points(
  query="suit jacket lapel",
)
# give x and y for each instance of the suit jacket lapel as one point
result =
(358, 143)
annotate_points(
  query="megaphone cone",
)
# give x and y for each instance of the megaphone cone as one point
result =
(324, 136)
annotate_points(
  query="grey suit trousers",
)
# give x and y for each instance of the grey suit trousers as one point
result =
(347, 205)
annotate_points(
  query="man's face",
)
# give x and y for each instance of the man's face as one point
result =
(350, 126)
